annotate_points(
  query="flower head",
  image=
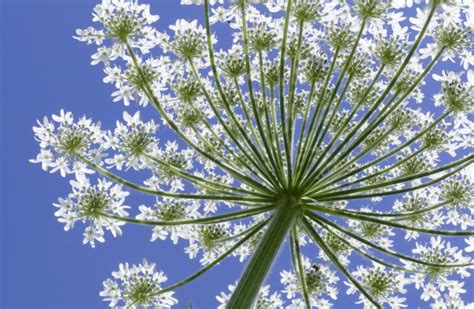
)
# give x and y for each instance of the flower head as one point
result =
(93, 205)
(137, 286)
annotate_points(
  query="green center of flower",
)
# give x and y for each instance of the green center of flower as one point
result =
(458, 192)
(370, 8)
(187, 91)
(93, 204)
(379, 283)
(371, 230)
(139, 291)
(436, 257)
(136, 142)
(434, 139)
(209, 234)
(413, 166)
(261, 39)
(233, 68)
(72, 141)
(305, 11)
(188, 45)
(142, 77)
(458, 98)
(414, 204)
(123, 25)
(171, 211)
(337, 246)
(390, 52)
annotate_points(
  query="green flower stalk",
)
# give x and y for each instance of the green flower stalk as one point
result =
(314, 129)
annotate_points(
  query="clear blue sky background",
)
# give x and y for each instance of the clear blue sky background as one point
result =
(43, 70)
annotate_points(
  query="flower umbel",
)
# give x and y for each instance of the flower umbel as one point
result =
(303, 126)
(137, 286)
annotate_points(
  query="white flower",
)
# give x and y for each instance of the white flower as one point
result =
(470, 242)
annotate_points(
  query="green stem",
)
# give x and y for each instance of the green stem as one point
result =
(394, 181)
(134, 186)
(281, 83)
(249, 284)
(362, 252)
(399, 216)
(291, 105)
(199, 181)
(298, 264)
(344, 168)
(273, 148)
(213, 263)
(219, 86)
(354, 110)
(301, 155)
(342, 213)
(329, 122)
(315, 217)
(387, 90)
(303, 127)
(315, 137)
(247, 115)
(157, 105)
(251, 91)
(262, 167)
(237, 215)
(382, 171)
(370, 257)
(371, 195)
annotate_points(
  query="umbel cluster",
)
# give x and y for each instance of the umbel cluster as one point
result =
(342, 131)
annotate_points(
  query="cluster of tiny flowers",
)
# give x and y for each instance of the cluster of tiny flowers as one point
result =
(374, 232)
(62, 140)
(131, 140)
(170, 210)
(320, 101)
(124, 21)
(382, 284)
(137, 286)
(320, 281)
(437, 281)
(91, 204)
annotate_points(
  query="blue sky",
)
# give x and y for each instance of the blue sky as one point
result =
(43, 69)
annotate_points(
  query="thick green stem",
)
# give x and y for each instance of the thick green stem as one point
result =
(247, 290)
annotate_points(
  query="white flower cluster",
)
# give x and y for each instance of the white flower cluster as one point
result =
(122, 20)
(131, 140)
(383, 284)
(320, 281)
(137, 286)
(62, 140)
(170, 210)
(439, 281)
(91, 204)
